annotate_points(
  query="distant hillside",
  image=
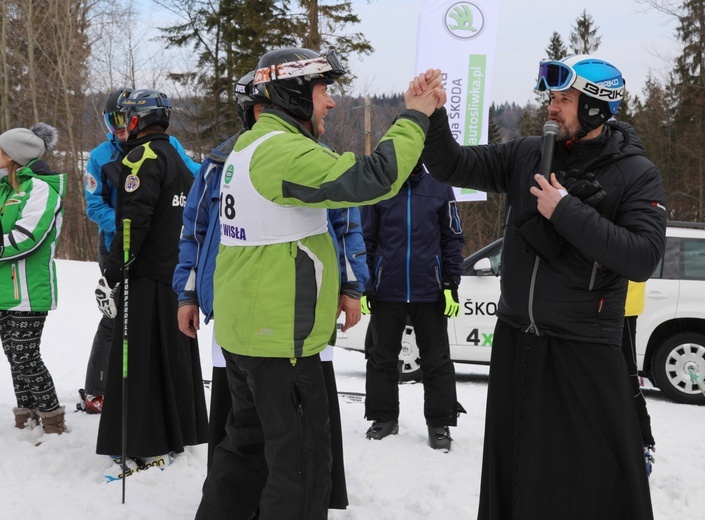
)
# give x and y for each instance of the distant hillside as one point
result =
(506, 117)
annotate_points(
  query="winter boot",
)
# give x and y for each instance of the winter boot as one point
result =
(439, 438)
(381, 429)
(54, 421)
(25, 417)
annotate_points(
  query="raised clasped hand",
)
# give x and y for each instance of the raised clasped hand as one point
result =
(426, 92)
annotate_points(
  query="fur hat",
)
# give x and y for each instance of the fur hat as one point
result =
(24, 145)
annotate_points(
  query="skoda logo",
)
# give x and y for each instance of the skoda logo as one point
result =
(229, 174)
(464, 20)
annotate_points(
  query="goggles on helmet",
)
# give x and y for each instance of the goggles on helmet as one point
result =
(555, 75)
(114, 121)
(559, 77)
(326, 63)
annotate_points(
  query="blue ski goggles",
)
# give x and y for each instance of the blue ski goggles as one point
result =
(114, 121)
(555, 75)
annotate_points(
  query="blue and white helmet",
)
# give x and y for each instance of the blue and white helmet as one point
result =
(600, 83)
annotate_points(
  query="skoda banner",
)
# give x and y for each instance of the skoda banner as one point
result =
(459, 37)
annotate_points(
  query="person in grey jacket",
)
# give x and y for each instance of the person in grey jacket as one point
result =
(562, 435)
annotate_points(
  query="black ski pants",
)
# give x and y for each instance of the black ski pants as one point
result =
(220, 406)
(281, 406)
(387, 322)
(97, 368)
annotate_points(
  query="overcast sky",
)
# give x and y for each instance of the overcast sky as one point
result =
(634, 39)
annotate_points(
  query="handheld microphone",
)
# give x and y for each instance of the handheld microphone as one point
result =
(550, 131)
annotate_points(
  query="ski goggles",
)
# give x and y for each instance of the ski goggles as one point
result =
(555, 75)
(328, 65)
(114, 121)
(559, 77)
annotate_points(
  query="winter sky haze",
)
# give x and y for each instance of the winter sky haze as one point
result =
(635, 38)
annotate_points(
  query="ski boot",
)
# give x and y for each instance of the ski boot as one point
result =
(92, 404)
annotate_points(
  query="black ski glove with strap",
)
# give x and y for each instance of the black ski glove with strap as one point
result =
(584, 186)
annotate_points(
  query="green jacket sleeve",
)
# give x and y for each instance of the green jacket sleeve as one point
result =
(36, 219)
(309, 174)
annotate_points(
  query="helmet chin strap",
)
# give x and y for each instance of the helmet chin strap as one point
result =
(591, 115)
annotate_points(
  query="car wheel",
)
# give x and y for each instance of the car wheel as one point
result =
(409, 358)
(674, 362)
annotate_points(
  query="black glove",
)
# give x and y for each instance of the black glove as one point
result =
(107, 297)
(582, 185)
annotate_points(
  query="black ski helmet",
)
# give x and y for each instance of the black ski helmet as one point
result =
(247, 99)
(113, 118)
(143, 108)
(286, 77)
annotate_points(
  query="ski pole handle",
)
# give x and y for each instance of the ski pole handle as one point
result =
(126, 290)
(126, 240)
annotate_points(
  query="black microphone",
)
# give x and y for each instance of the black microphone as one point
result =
(550, 131)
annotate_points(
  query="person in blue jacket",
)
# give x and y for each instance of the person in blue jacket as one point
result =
(100, 180)
(193, 282)
(414, 251)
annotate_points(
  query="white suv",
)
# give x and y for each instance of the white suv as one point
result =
(670, 333)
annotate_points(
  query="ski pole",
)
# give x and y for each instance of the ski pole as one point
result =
(126, 293)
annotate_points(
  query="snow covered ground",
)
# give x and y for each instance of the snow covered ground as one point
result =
(399, 478)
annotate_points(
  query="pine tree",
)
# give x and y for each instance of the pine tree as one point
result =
(323, 25)
(583, 37)
(556, 48)
(689, 118)
(228, 37)
(653, 121)
(534, 117)
(494, 132)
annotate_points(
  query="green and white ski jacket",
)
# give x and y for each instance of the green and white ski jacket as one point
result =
(31, 221)
(276, 279)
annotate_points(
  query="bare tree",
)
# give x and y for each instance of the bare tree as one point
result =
(4, 59)
(45, 67)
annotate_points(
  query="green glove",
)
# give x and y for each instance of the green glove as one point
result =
(452, 302)
(365, 305)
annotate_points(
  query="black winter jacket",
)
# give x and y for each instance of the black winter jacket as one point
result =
(154, 183)
(580, 292)
(414, 242)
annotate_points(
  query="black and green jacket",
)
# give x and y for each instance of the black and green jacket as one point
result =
(280, 300)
